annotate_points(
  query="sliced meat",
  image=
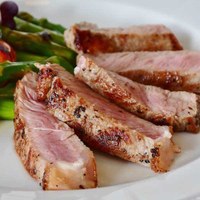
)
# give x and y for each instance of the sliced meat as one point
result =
(49, 149)
(172, 70)
(179, 109)
(88, 38)
(105, 126)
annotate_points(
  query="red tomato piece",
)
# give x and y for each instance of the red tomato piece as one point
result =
(6, 52)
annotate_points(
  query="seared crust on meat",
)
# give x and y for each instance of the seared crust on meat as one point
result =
(52, 174)
(171, 70)
(29, 157)
(164, 79)
(88, 38)
(44, 86)
(100, 131)
(138, 98)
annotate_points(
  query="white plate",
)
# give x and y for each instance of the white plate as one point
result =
(117, 179)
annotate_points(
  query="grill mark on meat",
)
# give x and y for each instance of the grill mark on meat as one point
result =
(88, 38)
(97, 128)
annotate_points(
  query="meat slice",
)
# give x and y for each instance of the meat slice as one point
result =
(179, 109)
(88, 38)
(105, 126)
(172, 70)
(49, 149)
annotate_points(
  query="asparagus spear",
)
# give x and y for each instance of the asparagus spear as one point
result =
(35, 43)
(22, 25)
(12, 71)
(24, 56)
(7, 91)
(6, 109)
(43, 22)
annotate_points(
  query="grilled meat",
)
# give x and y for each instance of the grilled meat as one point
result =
(163, 107)
(172, 70)
(49, 149)
(88, 38)
(103, 125)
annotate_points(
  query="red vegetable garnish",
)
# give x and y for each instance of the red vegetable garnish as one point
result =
(6, 52)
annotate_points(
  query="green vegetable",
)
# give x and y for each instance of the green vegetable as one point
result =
(12, 71)
(7, 91)
(24, 56)
(6, 109)
(22, 25)
(7, 101)
(43, 22)
(35, 43)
